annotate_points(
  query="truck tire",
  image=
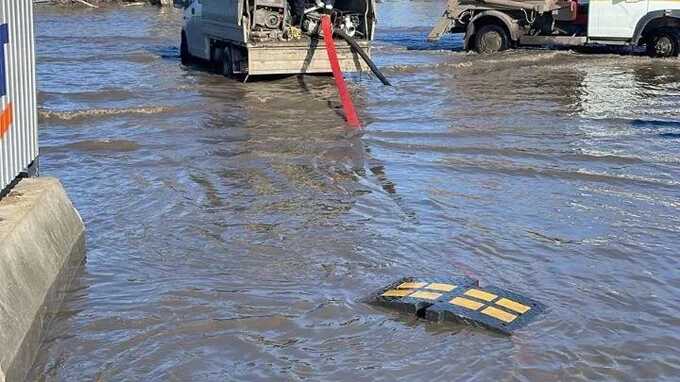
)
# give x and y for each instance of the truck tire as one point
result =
(491, 38)
(663, 42)
(184, 55)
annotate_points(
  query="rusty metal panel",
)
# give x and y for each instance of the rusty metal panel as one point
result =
(18, 103)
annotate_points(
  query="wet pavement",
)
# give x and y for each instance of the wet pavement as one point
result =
(234, 228)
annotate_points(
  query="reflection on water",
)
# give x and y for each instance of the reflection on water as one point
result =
(234, 228)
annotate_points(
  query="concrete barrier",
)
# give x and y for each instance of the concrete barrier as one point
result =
(42, 241)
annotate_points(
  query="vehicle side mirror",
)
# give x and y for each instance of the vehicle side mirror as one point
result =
(181, 3)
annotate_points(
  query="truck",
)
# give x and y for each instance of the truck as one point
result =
(494, 25)
(272, 37)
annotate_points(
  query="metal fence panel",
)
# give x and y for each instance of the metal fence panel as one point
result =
(18, 103)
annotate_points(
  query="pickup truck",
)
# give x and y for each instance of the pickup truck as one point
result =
(495, 25)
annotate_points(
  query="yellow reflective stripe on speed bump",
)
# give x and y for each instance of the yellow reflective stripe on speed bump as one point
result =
(480, 294)
(465, 303)
(397, 293)
(499, 314)
(411, 285)
(441, 287)
(408, 289)
(426, 295)
(513, 305)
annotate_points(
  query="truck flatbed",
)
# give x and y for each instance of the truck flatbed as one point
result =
(304, 56)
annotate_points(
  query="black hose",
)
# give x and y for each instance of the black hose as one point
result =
(363, 55)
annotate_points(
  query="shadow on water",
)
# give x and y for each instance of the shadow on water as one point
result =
(653, 123)
(65, 302)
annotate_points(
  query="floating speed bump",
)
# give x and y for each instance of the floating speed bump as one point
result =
(459, 299)
(415, 294)
(490, 307)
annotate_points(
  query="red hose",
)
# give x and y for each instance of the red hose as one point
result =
(347, 105)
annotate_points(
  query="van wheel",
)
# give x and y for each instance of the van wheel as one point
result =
(663, 42)
(184, 50)
(491, 38)
(227, 62)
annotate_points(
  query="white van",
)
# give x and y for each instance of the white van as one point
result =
(263, 37)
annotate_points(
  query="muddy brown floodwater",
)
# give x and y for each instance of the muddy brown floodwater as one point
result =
(233, 228)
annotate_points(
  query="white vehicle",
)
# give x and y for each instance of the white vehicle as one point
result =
(495, 25)
(261, 37)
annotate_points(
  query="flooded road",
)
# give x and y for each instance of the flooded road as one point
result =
(233, 228)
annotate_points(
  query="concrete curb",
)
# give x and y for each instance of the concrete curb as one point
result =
(41, 238)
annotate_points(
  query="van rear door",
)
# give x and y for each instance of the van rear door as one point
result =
(615, 19)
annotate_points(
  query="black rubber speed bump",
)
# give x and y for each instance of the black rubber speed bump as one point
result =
(415, 294)
(491, 307)
(459, 299)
